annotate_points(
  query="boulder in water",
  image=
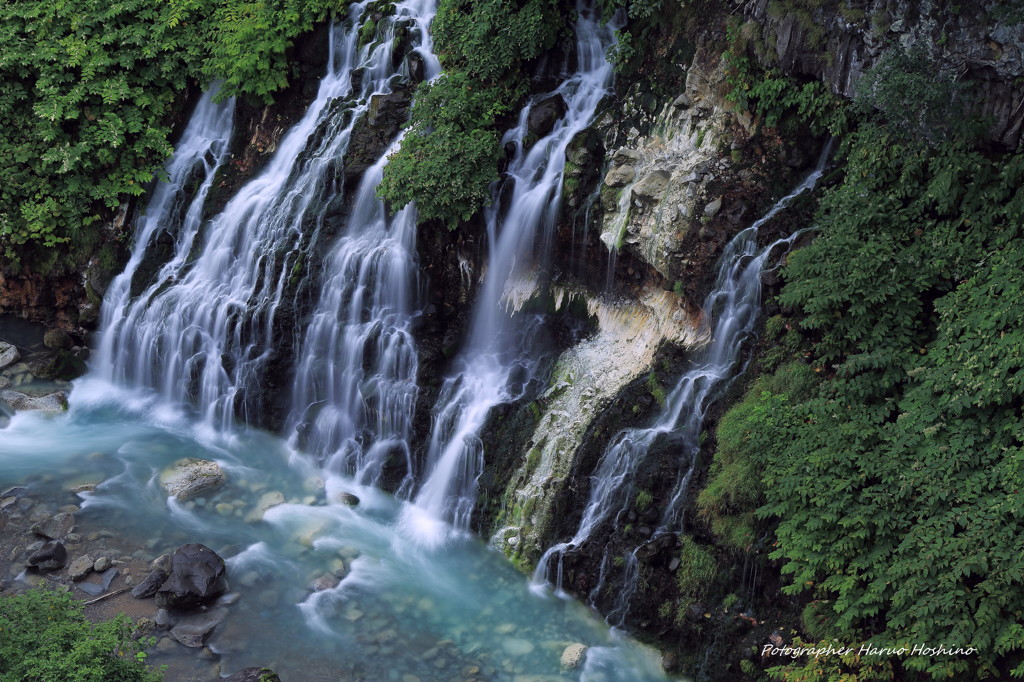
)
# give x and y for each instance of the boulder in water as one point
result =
(251, 675)
(573, 655)
(58, 364)
(51, 403)
(8, 354)
(197, 577)
(57, 338)
(49, 557)
(545, 114)
(190, 476)
(348, 499)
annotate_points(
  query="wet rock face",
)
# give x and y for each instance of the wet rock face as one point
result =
(976, 45)
(374, 132)
(198, 576)
(544, 115)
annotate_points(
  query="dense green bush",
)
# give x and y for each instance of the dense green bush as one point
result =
(45, 637)
(449, 156)
(87, 95)
(896, 484)
(734, 488)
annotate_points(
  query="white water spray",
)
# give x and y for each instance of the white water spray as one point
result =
(497, 361)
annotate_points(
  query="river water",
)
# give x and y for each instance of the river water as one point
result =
(401, 611)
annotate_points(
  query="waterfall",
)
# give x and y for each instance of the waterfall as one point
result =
(204, 331)
(355, 388)
(496, 362)
(731, 310)
(169, 214)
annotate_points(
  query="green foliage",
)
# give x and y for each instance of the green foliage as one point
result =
(656, 390)
(896, 483)
(87, 94)
(449, 156)
(916, 100)
(734, 488)
(643, 499)
(44, 635)
(820, 621)
(697, 570)
(779, 98)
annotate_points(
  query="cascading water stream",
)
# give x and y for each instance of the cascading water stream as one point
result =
(731, 310)
(355, 387)
(199, 153)
(204, 331)
(496, 362)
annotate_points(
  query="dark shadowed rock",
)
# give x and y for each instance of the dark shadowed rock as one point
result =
(545, 114)
(50, 557)
(251, 675)
(193, 630)
(57, 338)
(149, 586)
(198, 576)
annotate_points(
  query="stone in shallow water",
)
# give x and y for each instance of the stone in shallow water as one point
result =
(150, 584)
(517, 647)
(267, 501)
(55, 527)
(190, 476)
(81, 567)
(50, 557)
(8, 355)
(51, 403)
(573, 655)
(193, 631)
(198, 576)
(252, 675)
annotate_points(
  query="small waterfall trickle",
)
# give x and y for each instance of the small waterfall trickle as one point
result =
(731, 310)
(496, 362)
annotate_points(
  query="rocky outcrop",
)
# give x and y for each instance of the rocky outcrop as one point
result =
(981, 44)
(586, 377)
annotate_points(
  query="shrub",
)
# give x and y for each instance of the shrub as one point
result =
(44, 635)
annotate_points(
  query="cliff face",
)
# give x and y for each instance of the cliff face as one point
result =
(980, 44)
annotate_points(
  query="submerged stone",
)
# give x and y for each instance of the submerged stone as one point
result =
(189, 477)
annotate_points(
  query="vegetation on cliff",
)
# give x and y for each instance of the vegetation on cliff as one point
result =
(895, 479)
(449, 156)
(88, 91)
